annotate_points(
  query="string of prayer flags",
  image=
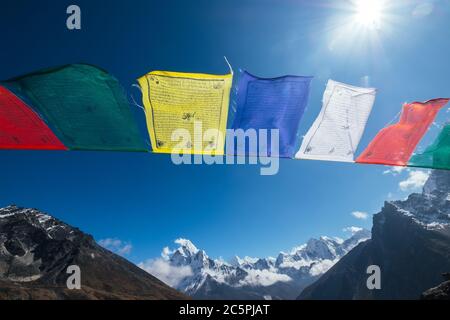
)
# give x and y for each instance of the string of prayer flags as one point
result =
(395, 144)
(82, 107)
(337, 131)
(86, 107)
(276, 103)
(186, 112)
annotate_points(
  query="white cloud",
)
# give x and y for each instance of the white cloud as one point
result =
(416, 179)
(365, 81)
(164, 271)
(263, 278)
(296, 264)
(352, 229)
(322, 267)
(394, 170)
(166, 252)
(423, 9)
(360, 215)
(116, 245)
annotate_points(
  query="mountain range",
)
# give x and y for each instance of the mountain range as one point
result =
(37, 249)
(283, 277)
(409, 242)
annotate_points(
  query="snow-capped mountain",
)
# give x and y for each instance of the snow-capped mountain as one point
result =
(431, 208)
(250, 278)
(410, 243)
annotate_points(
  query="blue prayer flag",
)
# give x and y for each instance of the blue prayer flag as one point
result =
(276, 103)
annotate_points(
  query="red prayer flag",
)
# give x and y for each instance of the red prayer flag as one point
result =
(22, 128)
(395, 144)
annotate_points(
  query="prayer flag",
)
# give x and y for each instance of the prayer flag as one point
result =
(437, 155)
(85, 106)
(22, 128)
(275, 103)
(337, 131)
(395, 144)
(186, 112)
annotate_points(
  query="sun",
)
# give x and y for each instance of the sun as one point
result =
(368, 13)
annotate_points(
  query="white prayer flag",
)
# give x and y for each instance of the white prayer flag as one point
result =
(335, 134)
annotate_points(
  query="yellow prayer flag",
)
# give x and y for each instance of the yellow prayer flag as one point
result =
(193, 103)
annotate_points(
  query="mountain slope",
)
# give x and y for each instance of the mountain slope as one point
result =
(410, 243)
(441, 292)
(36, 249)
(254, 278)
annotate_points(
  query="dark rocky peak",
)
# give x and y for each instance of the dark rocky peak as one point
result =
(22, 221)
(438, 183)
(36, 249)
(431, 208)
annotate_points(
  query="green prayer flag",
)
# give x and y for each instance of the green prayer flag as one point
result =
(437, 155)
(85, 107)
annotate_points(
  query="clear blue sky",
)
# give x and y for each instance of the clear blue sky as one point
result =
(145, 199)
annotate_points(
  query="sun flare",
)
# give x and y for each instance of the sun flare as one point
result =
(368, 13)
